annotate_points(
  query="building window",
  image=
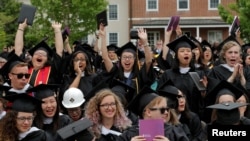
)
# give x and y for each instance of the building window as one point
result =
(113, 12)
(152, 38)
(152, 5)
(183, 5)
(113, 38)
(213, 4)
(214, 35)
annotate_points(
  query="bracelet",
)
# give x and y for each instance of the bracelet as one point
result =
(20, 29)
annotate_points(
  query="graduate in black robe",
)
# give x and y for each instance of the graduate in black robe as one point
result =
(21, 114)
(140, 106)
(129, 71)
(179, 74)
(48, 117)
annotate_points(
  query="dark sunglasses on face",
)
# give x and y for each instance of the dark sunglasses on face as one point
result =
(20, 75)
(162, 110)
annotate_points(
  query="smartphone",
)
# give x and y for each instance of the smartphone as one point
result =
(134, 34)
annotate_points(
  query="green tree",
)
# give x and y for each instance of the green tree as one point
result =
(241, 9)
(78, 15)
(9, 10)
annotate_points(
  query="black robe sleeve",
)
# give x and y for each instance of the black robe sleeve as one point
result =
(36, 136)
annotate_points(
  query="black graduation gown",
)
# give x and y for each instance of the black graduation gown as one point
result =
(48, 128)
(193, 123)
(185, 83)
(222, 73)
(173, 133)
(36, 136)
(85, 84)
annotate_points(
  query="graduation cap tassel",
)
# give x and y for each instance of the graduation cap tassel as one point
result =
(137, 87)
(138, 60)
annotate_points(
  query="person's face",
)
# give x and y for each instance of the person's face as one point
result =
(39, 58)
(2, 62)
(248, 51)
(184, 56)
(247, 60)
(108, 107)
(18, 82)
(49, 106)
(226, 98)
(112, 54)
(242, 109)
(24, 121)
(208, 54)
(181, 101)
(75, 113)
(197, 53)
(232, 56)
(80, 60)
(127, 61)
(155, 112)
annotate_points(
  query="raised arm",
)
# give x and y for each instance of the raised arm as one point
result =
(165, 48)
(67, 45)
(142, 33)
(107, 61)
(58, 38)
(19, 43)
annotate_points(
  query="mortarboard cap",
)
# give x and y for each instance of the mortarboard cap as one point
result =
(102, 18)
(245, 47)
(27, 11)
(42, 46)
(229, 38)
(74, 128)
(205, 44)
(44, 90)
(112, 47)
(23, 102)
(130, 47)
(141, 100)
(95, 89)
(223, 87)
(169, 91)
(122, 90)
(6, 68)
(196, 42)
(182, 41)
(227, 113)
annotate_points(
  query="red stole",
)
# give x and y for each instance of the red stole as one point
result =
(42, 76)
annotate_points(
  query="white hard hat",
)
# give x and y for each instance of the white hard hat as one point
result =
(72, 98)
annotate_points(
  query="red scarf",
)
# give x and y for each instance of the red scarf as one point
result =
(42, 76)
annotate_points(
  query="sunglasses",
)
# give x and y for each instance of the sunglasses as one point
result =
(162, 110)
(20, 75)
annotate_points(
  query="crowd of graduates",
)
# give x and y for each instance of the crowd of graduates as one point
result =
(107, 89)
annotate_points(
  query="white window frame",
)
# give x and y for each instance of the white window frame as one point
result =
(117, 43)
(157, 5)
(113, 19)
(156, 37)
(212, 8)
(218, 36)
(182, 9)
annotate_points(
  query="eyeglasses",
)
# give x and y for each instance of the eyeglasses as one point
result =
(162, 110)
(127, 57)
(81, 59)
(106, 106)
(20, 75)
(23, 119)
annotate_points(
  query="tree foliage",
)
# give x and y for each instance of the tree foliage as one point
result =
(77, 15)
(241, 9)
(9, 10)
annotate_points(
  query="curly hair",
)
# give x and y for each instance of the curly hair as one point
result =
(92, 112)
(226, 47)
(8, 129)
